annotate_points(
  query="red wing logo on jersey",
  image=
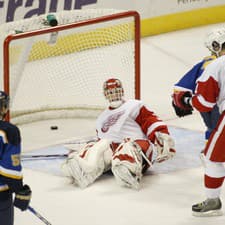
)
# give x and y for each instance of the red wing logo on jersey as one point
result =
(111, 120)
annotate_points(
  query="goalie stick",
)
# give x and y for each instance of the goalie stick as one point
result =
(60, 155)
(78, 141)
(30, 157)
(67, 144)
(32, 210)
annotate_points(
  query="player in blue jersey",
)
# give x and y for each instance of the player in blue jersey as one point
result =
(12, 190)
(187, 84)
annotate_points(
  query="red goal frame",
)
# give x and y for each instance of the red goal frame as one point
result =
(116, 16)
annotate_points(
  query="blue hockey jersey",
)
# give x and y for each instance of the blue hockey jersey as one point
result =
(188, 81)
(10, 166)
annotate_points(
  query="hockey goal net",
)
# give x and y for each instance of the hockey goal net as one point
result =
(56, 70)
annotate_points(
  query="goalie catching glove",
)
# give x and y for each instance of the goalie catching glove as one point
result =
(181, 103)
(164, 145)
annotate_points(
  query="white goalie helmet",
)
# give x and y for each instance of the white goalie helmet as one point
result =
(113, 91)
(215, 40)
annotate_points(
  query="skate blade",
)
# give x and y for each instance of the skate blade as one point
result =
(218, 212)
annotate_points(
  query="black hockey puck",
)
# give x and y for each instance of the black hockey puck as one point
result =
(54, 127)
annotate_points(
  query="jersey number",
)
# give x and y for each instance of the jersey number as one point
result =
(15, 159)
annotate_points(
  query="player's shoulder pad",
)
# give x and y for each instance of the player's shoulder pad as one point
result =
(11, 131)
(134, 102)
(209, 58)
(137, 101)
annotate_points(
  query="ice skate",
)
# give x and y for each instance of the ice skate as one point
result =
(209, 207)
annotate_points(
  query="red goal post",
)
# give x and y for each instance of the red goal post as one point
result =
(58, 71)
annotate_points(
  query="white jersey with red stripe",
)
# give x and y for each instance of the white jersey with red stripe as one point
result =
(210, 89)
(131, 120)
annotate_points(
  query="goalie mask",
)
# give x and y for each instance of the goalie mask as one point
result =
(113, 91)
(4, 104)
(215, 40)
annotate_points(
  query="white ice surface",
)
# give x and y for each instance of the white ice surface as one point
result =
(168, 190)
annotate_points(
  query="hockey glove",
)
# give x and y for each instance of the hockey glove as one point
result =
(165, 147)
(22, 198)
(181, 99)
(181, 112)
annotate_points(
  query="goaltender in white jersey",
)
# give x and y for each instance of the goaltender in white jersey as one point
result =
(131, 120)
(128, 134)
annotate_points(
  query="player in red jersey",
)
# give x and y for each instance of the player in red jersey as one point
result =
(210, 90)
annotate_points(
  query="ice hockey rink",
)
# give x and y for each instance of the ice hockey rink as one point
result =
(168, 189)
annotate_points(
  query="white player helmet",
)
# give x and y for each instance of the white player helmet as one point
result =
(113, 91)
(215, 40)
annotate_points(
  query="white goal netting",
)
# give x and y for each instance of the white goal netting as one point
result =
(55, 74)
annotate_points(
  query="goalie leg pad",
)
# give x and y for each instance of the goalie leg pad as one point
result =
(89, 163)
(82, 175)
(127, 164)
